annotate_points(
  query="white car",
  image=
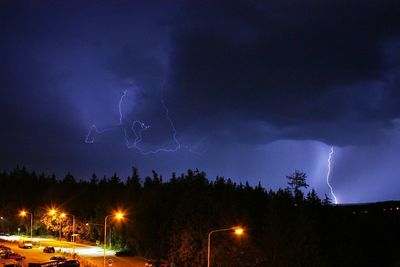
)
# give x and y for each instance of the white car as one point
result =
(25, 244)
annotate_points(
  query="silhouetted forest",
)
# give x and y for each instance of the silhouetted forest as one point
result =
(171, 218)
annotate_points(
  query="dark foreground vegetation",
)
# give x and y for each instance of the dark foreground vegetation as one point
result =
(170, 218)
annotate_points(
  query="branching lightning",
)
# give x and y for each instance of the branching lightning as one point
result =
(329, 174)
(89, 137)
(137, 128)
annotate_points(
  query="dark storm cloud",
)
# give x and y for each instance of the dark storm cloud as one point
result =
(54, 56)
(240, 78)
(29, 108)
(302, 65)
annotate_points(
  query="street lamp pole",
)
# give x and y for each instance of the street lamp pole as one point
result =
(31, 227)
(59, 232)
(73, 234)
(52, 212)
(23, 213)
(105, 241)
(237, 230)
(73, 229)
(118, 216)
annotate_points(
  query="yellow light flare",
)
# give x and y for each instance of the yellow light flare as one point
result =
(52, 212)
(22, 213)
(119, 215)
(239, 231)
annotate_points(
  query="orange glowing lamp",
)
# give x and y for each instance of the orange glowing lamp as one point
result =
(119, 215)
(23, 213)
(239, 231)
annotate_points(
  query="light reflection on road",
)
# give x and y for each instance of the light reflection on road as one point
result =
(93, 254)
(63, 246)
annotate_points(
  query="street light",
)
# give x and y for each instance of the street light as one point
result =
(23, 214)
(53, 212)
(119, 216)
(237, 230)
(63, 215)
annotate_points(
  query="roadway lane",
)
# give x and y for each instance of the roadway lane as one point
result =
(88, 255)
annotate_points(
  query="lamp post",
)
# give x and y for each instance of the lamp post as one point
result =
(23, 213)
(119, 215)
(53, 212)
(63, 215)
(236, 229)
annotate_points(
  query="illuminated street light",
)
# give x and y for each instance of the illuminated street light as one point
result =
(63, 215)
(119, 216)
(237, 230)
(23, 214)
(52, 212)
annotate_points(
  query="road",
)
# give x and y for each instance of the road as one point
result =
(89, 256)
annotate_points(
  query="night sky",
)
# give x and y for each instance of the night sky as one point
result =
(250, 90)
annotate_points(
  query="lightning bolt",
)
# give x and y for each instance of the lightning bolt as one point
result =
(90, 138)
(329, 174)
(120, 106)
(137, 127)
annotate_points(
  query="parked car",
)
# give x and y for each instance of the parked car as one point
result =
(14, 256)
(58, 258)
(4, 250)
(70, 263)
(49, 250)
(124, 253)
(3, 253)
(157, 263)
(25, 244)
(10, 263)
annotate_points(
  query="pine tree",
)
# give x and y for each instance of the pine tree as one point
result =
(297, 180)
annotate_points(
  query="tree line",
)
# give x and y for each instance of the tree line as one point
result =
(171, 218)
